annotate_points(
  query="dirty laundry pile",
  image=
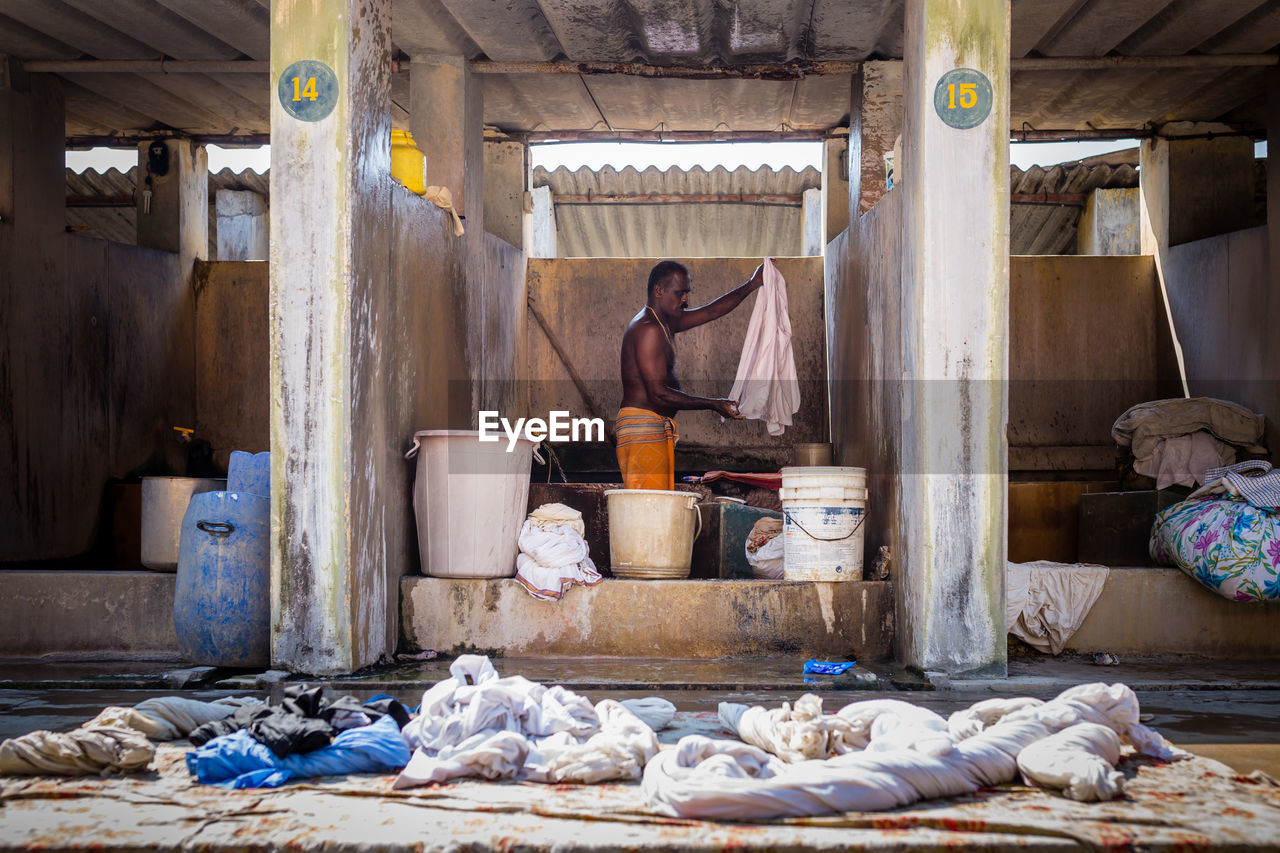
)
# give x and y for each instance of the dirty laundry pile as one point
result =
(117, 740)
(1175, 441)
(553, 552)
(883, 754)
(478, 724)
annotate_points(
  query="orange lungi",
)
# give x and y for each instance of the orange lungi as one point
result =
(646, 449)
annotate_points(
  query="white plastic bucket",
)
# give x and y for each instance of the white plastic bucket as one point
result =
(823, 511)
(470, 498)
(651, 533)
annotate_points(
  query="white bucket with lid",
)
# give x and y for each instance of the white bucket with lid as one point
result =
(651, 533)
(470, 498)
(823, 510)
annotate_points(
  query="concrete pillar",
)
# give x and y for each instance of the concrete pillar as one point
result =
(176, 216)
(1109, 223)
(540, 224)
(331, 304)
(952, 458)
(242, 226)
(835, 186)
(812, 228)
(505, 181)
(875, 122)
(446, 120)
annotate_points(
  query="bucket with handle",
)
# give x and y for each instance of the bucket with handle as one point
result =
(651, 533)
(823, 510)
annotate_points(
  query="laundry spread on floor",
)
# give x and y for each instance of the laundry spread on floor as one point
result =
(554, 555)
(479, 724)
(237, 760)
(766, 387)
(305, 720)
(790, 761)
(910, 756)
(1046, 602)
(81, 752)
(165, 718)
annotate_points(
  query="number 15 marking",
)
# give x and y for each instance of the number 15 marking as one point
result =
(968, 95)
(309, 90)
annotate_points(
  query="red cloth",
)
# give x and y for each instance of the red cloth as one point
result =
(763, 481)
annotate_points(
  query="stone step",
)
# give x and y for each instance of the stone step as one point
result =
(651, 619)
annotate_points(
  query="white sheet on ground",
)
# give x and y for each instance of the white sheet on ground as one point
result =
(1080, 761)
(1045, 602)
(479, 724)
(910, 756)
(766, 388)
(78, 752)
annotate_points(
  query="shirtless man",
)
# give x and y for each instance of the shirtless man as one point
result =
(651, 393)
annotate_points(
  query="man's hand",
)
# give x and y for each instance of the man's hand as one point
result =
(728, 409)
(757, 278)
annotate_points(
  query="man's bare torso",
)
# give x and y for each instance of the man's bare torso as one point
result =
(633, 389)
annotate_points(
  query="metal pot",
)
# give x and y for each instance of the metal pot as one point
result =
(164, 502)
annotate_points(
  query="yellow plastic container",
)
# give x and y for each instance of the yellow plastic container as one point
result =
(408, 164)
(651, 533)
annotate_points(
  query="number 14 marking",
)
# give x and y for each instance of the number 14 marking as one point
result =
(309, 90)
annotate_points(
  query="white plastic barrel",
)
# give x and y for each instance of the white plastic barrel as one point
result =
(823, 509)
(651, 533)
(470, 498)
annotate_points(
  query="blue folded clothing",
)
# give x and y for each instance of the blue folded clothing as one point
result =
(238, 761)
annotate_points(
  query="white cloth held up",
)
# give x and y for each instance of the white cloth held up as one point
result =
(766, 387)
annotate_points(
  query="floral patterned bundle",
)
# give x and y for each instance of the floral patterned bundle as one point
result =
(1230, 546)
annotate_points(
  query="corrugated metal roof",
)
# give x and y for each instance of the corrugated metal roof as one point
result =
(741, 230)
(1050, 228)
(697, 32)
(120, 224)
(691, 230)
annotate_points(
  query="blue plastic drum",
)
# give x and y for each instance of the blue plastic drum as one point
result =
(222, 606)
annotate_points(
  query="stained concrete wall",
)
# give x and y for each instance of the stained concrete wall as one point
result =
(863, 302)
(232, 371)
(1226, 310)
(1109, 223)
(1066, 390)
(78, 615)
(588, 302)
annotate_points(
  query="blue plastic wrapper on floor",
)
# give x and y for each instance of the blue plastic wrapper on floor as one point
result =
(827, 667)
(238, 761)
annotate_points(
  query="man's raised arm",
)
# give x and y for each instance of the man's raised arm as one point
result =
(717, 308)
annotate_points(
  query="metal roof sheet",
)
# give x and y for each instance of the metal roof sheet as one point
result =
(690, 32)
(682, 230)
(674, 230)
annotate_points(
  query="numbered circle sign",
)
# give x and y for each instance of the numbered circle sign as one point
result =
(962, 98)
(308, 90)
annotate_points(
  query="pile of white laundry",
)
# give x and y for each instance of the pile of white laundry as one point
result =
(478, 724)
(882, 754)
(553, 553)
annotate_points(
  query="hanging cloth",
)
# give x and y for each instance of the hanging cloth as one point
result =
(766, 388)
